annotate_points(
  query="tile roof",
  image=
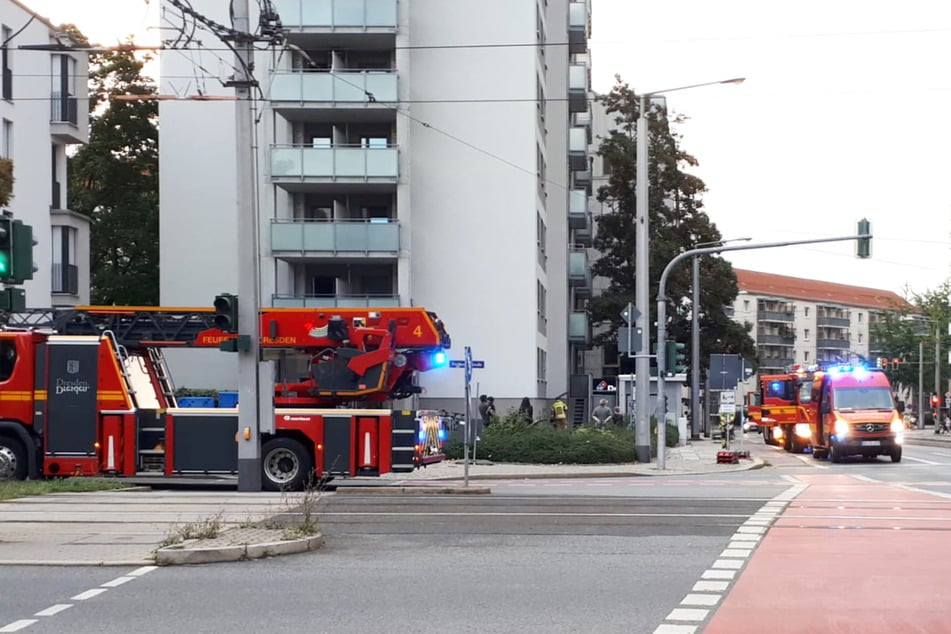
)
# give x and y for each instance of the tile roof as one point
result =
(787, 287)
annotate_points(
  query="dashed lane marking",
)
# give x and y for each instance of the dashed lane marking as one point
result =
(16, 626)
(53, 610)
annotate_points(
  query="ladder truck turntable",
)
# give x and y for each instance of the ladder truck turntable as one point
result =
(86, 391)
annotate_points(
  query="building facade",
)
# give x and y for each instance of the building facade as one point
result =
(44, 109)
(409, 153)
(800, 321)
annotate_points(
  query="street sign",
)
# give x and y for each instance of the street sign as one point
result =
(468, 363)
(629, 339)
(477, 364)
(728, 403)
(457, 363)
(630, 313)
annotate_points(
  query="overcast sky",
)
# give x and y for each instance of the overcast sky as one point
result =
(843, 115)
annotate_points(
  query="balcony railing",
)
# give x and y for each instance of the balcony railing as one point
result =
(335, 162)
(579, 329)
(834, 322)
(64, 109)
(585, 235)
(338, 236)
(339, 86)
(65, 279)
(296, 14)
(577, 208)
(834, 344)
(778, 340)
(578, 149)
(335, 301)
(776, 362)
(577, 88)
(770, 315)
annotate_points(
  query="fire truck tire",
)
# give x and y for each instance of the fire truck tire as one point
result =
(835, 454)
(896, 454)
(13, 459)
(285, 465)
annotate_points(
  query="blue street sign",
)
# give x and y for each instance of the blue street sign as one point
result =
(478, 364)
(457, 363)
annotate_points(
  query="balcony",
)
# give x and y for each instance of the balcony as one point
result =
(339, 22)
(582, 119)
(315, 238)
(775, 363)
(585, 235)
(579, 273)
(577, 88)
(577, 208)
(776, 340)
(64, 120)
(65, 279)
(579, 329)
(295, 94)
(578, 149)
(833, 322)
(335, 301)
(771, 315)
(582, 178)
(304, 168)
(577, 27)
(832, 344)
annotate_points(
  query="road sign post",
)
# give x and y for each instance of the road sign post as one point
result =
(468, 364)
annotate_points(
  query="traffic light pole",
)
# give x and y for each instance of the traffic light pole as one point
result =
(662, 320)
(249, 429)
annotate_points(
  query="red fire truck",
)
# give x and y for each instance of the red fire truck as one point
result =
(780, 402)
(86, 391)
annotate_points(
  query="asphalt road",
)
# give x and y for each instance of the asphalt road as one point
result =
(536, 556)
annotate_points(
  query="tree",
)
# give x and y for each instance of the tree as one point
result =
(907, 329)
(114, 180)
(677, 221)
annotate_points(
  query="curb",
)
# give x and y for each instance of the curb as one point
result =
(129, 563)
(172, 556)
(417, 489)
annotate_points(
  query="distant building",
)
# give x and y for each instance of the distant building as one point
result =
(44, 108)
(795, 320)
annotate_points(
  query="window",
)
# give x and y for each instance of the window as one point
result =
(7, 148)
(806, 311)
(805, 334)
(374, 142)
(860, 337)
(6, 32)
(860, 317)
(541, 169)
(746, 304)
(65, 271)
(541, 239)
(8, 358)
(542, 365)
(322, 142)
(63, 102)
(542, 298)
(805, 356)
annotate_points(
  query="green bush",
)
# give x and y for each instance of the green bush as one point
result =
(513, 440)
(184, 392)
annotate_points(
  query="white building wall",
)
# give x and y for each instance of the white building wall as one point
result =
(466, 198)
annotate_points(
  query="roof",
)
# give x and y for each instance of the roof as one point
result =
(785, 286)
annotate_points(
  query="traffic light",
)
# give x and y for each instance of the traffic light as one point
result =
(863, 246)
(226, 312)
(935, 400)
(883, 363)
(21, 264)
(675, 361)
(896, 363)
(6, 248)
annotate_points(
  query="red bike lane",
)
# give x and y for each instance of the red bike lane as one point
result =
(846, 556)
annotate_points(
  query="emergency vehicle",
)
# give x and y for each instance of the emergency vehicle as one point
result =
(86, 391)
(779, 407)
(852, 412)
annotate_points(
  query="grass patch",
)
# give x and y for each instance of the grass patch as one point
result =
(12, 489)
(204, 528)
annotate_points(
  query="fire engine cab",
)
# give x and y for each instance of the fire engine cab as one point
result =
(86, 391)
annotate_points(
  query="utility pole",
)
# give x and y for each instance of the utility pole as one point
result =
(921, 385)
(249, 428)
(642, 385)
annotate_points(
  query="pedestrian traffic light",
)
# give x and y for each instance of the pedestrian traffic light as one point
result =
(863, 245)
(675, 360)
(226, 312)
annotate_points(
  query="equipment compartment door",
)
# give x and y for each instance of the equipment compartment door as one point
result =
(71, 396)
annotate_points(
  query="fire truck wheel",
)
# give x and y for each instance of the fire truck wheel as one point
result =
(286, 465)
(12, 459)
(835, 454)
(896, 454)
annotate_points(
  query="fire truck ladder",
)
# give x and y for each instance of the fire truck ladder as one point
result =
(122, 356)
(162, 376)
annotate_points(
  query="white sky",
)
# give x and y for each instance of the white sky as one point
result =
(843, 115)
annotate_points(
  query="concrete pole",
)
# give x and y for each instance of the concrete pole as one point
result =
(249, 433)
(937, 373)
(921, 385)
(695, 355)
(642, 384)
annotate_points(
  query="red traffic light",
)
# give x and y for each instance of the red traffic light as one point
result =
(935, 401)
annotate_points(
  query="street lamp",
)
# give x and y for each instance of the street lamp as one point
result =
(642, 278)
(695, 339)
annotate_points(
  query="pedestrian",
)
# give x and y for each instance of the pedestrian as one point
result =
(617, 418)
(559, 414)
(483, 407)
(491, 414)
(525, 410)
(601, 414)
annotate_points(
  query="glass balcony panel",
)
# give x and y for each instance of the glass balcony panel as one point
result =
(286, 162)
(577, 140)
(577, 15)
(578, 202)
(307, 235)
(382, 162)
(337, 13)
(578, 77)
(318, 162)
(350, 162)
(317, 236)
(578, 264)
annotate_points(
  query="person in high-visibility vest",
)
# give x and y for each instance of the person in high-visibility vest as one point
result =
(559, 414)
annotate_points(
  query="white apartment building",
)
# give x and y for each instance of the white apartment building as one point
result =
(424, 152)
(800, 321)
(44, 108)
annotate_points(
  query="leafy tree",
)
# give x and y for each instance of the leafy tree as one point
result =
(677, 222)
(114, 180)
(910, 328)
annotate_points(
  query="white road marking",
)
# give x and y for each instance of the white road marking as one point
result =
(117, 582)
(718, 574)
(687, 614)
(16, 626)
(88, 594)
(731, 564)
(711, 586)
(54, 609)
(138, 572)
(736, 552)
(700, 599)
(922, 460)
(668, 628)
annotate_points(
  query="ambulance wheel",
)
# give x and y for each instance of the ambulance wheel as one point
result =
(13, 462)
(896, 454)
(835, 454)
(285, 465)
